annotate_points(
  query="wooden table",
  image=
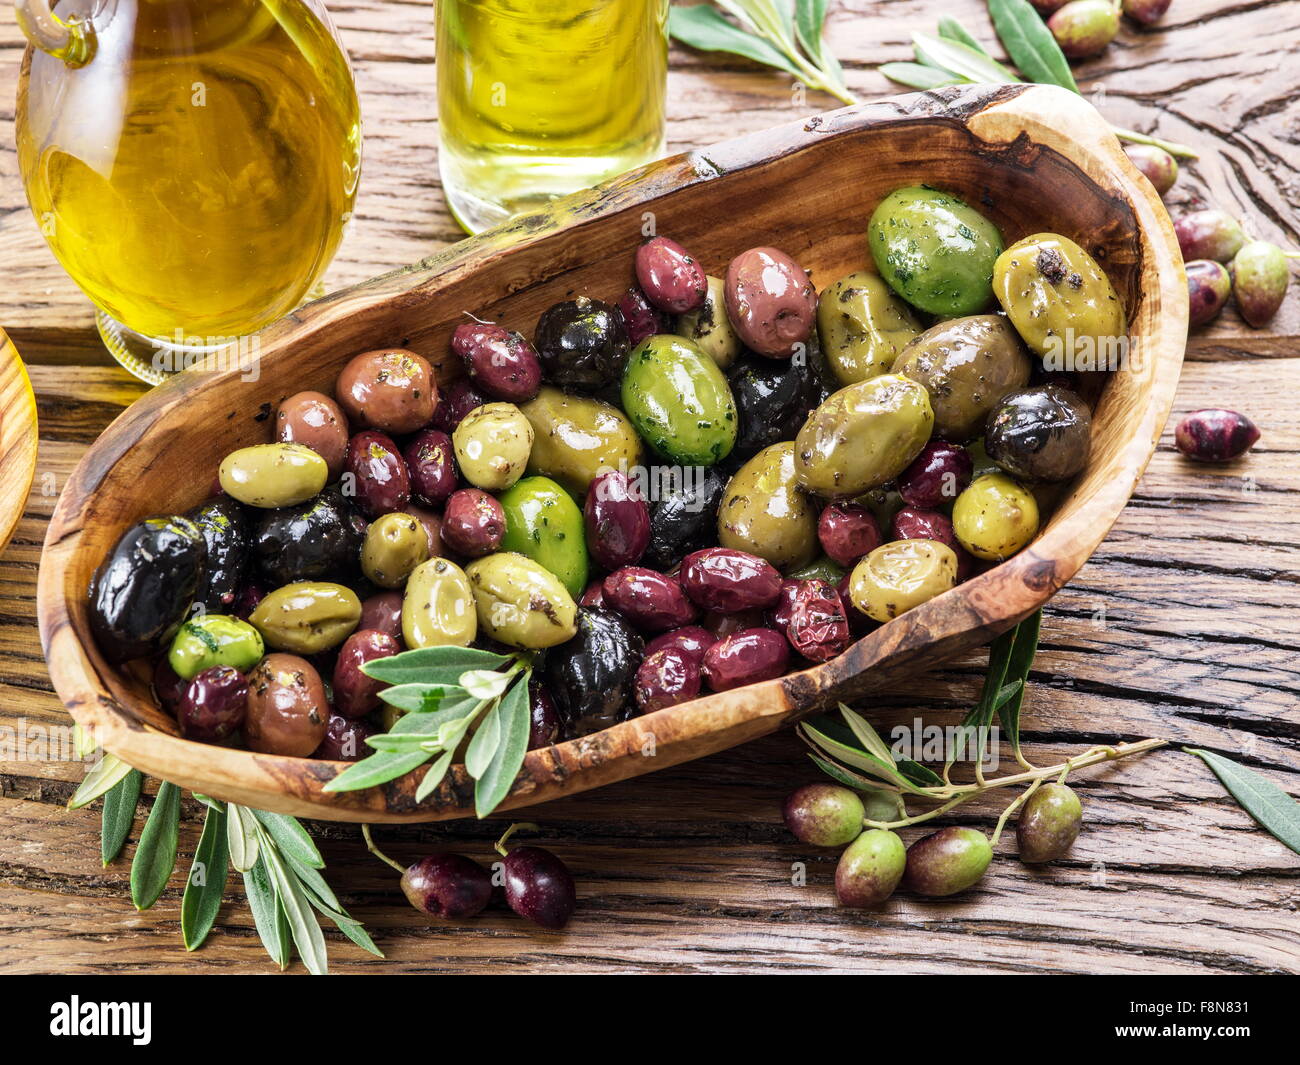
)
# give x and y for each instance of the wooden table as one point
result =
(1185, 625)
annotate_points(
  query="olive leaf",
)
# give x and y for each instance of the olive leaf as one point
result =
(104, 775)
(290, 837)
(952, 30)
(1277, 813)
(918, 75)
(1024, 646)
(268, 916)
(1030, 43)
(511, 744)
(433, 665)
(207, 881)
(155, 854)
(961, 59)
(241, 837)
(119, 814)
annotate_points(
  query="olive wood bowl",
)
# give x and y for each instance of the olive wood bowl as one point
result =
(1032, 157)
(18, 438)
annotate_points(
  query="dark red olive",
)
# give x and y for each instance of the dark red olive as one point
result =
(938, 475)
(544, 724)
(431, 466)
(247, 598)
(1157, 165)
(847, 531)
(500, 362)
(724, 580)
(473, 523)
(447, 885)
(617, 520)
(819, 624)
(780, 614)
(652, 601)
(912, 523)
(1214, 435)
(356, 694)
(345, 741)
(213, 704)
(640, 318)
(1209, 234)
(671, 279)
(746, 657)
(454, 402)
(721, 625)
(593, 595)
(666, 678)
(168, 686)
(539, 887)
(694, 640)
(380, 482)
(383, 613)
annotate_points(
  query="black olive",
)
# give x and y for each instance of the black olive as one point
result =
(582, 344)
(143, 590)
(314, 539)
(685, 520)
(773, 399)
(1040, 434)
(224, 525)
(591, 676)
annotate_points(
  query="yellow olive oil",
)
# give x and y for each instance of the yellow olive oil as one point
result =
(194, 177)
(538, 98)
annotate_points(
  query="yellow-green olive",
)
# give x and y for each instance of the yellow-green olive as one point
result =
(995, 517)
(492, 445)
(1061, 302)
(307, 616)
(438, 608)
(575, 437)
(395, 544)
(765, 512)
(862, 326)
(273, 475)
(967, 365)
(214, 640)
(710, 329)
(862, 436)
(521, 603)
(900, 575)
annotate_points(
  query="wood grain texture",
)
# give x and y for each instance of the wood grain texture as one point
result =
(1184, 624)
(18, 437)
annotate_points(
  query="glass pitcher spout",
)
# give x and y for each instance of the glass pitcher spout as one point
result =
(71, 39)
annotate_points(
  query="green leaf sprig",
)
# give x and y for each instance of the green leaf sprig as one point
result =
(446, 694)
(1277, 813)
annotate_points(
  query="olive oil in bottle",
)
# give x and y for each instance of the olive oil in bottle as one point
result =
(538, 98)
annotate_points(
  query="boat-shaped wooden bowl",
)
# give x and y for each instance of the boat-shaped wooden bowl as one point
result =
(1032, 158)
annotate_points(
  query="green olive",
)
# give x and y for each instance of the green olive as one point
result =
(766, 513)
(395, 544)
(709, 328)
(900, 575)
(967, 365)
(679, 401)
(575, 437)
(825, 815)
(520, 602)
(307, 617)
(493, 443)
(1061, 302)
(862, 436)
(870, 868)
(946, 862)
(214, 640)
(438, 608)
(273, 475)
(862, 326)
(544, 523)
(994, 517)
(934, 250)
(1049, 823)
(823, 568)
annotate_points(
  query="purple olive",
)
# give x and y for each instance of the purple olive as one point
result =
(473, 523)
(652, 601)
(213, 705)
(912, 523)
(594, 595)
(720, 625)
(746, 657)
(345, 741)
(454, 402)
(824, 815)
(938, 475)
(617, 520)
(1049, 823)
(247, 598)
(1046, 7)
(640, 318)
(870, 869)
(670, 278)
(383, 613)
(666, 678)
(168, 686)
(1215, 435)
(539, 887)
(947, 861)
(771, 303)
(431, 466)
(1208, 287)
(447, 885)
(847, 531)
(355, 693)
(544, 724)
(724, 580)
(500, 362)
(380, 480)
(819, 624)
(1084, 27)
(1146, 12)
(779, 615)
(693, 640)
(1209, 234)
(1260, 276)
(1157, 165)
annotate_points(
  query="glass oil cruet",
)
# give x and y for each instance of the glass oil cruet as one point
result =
(192, 165)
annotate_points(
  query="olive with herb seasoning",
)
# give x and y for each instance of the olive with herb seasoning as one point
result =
(582, 344)
(287, 708)
(591, 676)
(679, 401)
(314, 539)
(772, 401)
(544, 523)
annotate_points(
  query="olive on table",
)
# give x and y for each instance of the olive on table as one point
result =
(545, 726)
(966, 366)
(379, 479)
(382, 612)
(448, 886)
(652, 601)
(1040, 434)
(473, 523)
(492, 445)
(1261, 273)
(438, 608)
(391, 389)
(824, 815)
(544, 523)
(934, 250)
(591, 677)
(345, 740)
(709, 328)
(431, 466)
(213, 704)
(900, 575)
(1209, 234)
(314, 539)
(725, 580)
(454, 402)
(669, 276)
(1157, 165)
(214, 640)
(946, 862)
(575, 437)
(771, 302)
(641, 318)
(995, 517)
(315, 421)
(273, 475)
(846, 532)
(746, 657)
(684, 517)
(1215, 435)
(863, 326)
(772, 400)
(1209, 284)
(356, 694)
(144, 588)
(679, 401)
(937, 476)
(914, 523)
(1084, 28)
(395, 544)
(819, 624)
(539, 887)
(862, 436)
(870, 869)
(582, 344)
(499, 361)
(224, 526)
(617, 520)
(1049, 823)
(665, 678)
(1147, 12)
(765, 513)
(287, 707)
(307, 616)
(691, 640)
(519, 602)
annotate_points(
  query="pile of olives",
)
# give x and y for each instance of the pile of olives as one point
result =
(695, 487)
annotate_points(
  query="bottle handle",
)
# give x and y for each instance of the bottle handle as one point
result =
(72, 40)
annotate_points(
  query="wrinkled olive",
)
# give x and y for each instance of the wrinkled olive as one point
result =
(1084, 28)
(492, 446)
(591, 676)
(771, 302)
(376, 474)
(273, 475)
(356, 694)
(519, 602)
(582, 344)
(819, 624)
(679, 401)
(345, 740)
(947, 861)
(824, 815)
(307, 617)
(900, 575)
(287, 708)
(1157, 165)
(937, 476)
(224, 526)
(773, 399)
(709, 328)
(1040, 434)
(725, 580)
(575, 437)
(684, 517)
(670, 278)
(313, 540)
(500, 362)
(667, 677)
(438, 608)
(995, 517)
(391, 389)
(214, 640)
(544, 523)
(746, 657)
(863, 326)
(1209, 234)
(395, 544)
(691, 640)
(1049, 823)
(653, 602)
(454, 402)
(1209, 284)
(1261, 273)
(870, 868)
(765, 513)
(617, 520)
(778, 616)
(1215, 435)
(847, 531)
(640, 318)
(431, 466)
(474, 523)
(315, 421)
(213, 705)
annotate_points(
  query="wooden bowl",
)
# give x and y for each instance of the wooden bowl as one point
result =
(1033, 158)
(18, 438)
